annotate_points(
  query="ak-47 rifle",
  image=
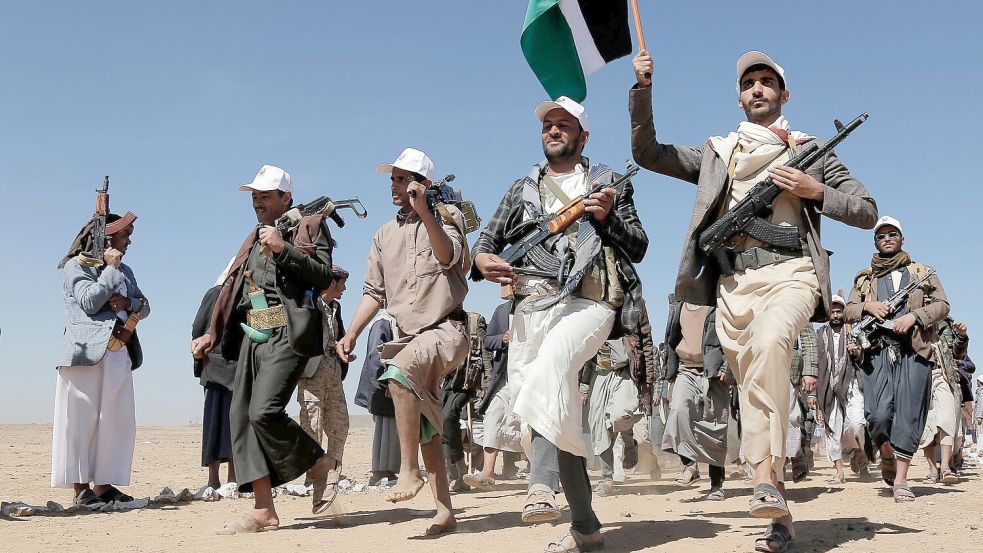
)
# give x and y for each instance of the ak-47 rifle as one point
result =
(94, 257)
(558, 222)
(320, 205)
(863, 332)
(748, 216)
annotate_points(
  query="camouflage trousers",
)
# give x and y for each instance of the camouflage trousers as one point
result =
(323, 408)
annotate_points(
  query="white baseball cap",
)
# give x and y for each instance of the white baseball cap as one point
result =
(411, 160)
(270, 177)
(888, 220)
(755, 57)
(838, 299)
(564, 103)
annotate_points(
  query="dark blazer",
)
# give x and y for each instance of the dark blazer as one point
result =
(217, 370)
(314, 362)
(845, 200)
(371, 394)
(498, 376)
(713, 354)
(303, 264)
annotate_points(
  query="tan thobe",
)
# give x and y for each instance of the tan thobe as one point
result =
(420, 292)
(759, 314)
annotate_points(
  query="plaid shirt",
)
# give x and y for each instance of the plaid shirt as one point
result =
(805, 356)
(623, 232)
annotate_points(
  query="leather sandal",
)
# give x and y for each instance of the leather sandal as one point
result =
(556, 546)
(767, 502)
(689, 475)
(776, 539)
(540, 505)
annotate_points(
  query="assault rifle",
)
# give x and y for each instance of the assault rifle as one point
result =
(440, 194)
(863, 332)
(94, 257)
(320, 205)
(748, 217)
(558, 222)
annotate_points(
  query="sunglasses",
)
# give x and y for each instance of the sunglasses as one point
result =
(883, 235)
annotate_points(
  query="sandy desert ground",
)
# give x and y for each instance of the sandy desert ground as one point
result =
(643, 515)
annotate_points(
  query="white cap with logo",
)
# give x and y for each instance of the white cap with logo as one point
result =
(566, 104)
(888, 220)
(755, 57)
(270, 177)
(411, 160)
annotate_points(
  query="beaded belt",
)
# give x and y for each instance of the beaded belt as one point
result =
(265, 319)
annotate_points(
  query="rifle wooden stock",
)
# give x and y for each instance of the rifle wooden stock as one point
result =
(567, 215)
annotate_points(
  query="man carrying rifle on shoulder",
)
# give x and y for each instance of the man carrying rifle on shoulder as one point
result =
(579, 307)
(765, 292)
(269, 294)
(897, 354)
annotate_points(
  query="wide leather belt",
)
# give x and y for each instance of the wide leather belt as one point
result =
(265, 319)
(756, 258)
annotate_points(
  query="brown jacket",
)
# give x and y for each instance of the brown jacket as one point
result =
(928, 303)
(846, 200)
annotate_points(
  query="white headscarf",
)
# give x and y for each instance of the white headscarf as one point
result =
(759, 146)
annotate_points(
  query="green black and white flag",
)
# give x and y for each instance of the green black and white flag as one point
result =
(566, 40)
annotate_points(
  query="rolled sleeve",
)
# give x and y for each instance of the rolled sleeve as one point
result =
(375, 283)
(456, 234)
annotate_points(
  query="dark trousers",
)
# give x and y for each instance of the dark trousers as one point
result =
(450, 438)
(896, 399)
(552, 466)
(265, 440)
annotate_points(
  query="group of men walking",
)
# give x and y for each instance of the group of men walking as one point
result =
(573, 336)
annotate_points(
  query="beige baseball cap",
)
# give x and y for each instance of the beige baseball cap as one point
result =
(564, 103)
(411, 160)
(270, 177)
(755, 57)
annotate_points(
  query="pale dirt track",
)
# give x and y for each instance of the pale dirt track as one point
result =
(643, 516)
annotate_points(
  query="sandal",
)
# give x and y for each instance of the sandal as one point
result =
(950, 477)
(775, 539)
(556, 546)
(889, 470)
(88, 498)
(836, 480)
(690, 474)
(767, 502)
(903, 494)
(113, 494)
(245, 525)
(540, 505)
(325, 491)
(479, 482)
(716, 494)
(604, 487)
(931, 478)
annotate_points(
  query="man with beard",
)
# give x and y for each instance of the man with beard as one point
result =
(774, 291)
(598, 301)
(417, 269)
(281, 272)
(942, 428)
(898, 368)
(840, 396)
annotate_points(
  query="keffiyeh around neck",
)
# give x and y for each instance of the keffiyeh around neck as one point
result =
(759, 145)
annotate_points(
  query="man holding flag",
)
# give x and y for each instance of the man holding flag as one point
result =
(774, 291)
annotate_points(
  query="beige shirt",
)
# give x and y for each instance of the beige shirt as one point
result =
(405, 276)
(786, 209)
(692, 323)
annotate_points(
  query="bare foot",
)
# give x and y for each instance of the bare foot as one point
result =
(266, 517)
(406, 488)
(443, 523)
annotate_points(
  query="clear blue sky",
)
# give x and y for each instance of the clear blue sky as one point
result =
(182, 101)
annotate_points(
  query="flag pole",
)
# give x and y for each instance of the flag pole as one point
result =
(638, 31)
(638, 26)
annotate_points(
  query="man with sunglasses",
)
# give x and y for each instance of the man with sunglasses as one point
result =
(898, 368)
